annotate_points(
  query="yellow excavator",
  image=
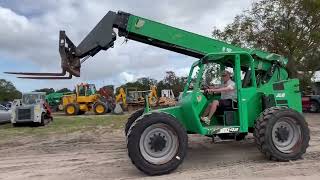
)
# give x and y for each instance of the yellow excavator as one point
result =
(121, 101)
(153, 96)
(85, 99)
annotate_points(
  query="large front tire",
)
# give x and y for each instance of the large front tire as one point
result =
(157, 143)
(282, 134)
(72, 109)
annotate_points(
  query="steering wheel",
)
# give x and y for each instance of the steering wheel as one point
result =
(204, 88)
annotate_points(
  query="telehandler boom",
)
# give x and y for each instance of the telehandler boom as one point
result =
(268, 102)
(140, 29)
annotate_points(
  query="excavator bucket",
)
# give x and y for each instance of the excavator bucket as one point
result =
(118, 109)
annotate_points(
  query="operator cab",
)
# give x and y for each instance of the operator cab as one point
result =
(207, 73)
(33, 98)
(85, 89)
(226, 114)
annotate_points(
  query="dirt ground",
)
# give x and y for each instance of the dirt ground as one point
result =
(102, 154)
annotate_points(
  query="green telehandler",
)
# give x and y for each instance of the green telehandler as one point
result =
(55, 101)
(268, 101)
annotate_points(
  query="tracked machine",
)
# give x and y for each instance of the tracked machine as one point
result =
(268, 101)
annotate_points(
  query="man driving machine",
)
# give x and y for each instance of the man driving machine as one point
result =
(228, 94)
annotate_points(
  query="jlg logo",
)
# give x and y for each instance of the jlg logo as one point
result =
(228, 130)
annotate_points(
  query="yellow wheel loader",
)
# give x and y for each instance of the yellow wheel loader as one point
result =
(85, 99)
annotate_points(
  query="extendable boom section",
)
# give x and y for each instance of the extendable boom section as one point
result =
(102, 37)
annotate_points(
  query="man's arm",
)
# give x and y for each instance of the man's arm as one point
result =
(230, 87)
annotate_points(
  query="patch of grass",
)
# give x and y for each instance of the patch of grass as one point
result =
(65, 125)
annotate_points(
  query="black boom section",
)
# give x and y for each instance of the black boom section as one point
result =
(101, 37)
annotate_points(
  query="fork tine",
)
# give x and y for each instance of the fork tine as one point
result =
(38, 74)
(46, 77)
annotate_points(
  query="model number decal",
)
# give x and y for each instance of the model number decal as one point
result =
(228, 130)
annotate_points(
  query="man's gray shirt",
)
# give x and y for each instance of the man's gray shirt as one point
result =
(229, 94)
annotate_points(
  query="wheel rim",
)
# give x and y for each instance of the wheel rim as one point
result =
(286, 135)
(70, 110)
(60, 107)
(158, 144)
(100, 108)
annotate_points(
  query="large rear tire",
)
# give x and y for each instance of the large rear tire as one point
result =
(157, 143)
(131, 119)
(282, 134)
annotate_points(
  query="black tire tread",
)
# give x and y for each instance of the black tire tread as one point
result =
(260, 136)
(131, 119)
(77, 108)
(132, 134)
(98, 103)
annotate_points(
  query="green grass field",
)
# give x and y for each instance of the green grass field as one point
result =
(65, 125)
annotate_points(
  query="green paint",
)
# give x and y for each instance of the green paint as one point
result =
(266, 70)
(193, 103)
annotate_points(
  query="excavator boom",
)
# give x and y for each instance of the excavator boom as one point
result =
(140, 29)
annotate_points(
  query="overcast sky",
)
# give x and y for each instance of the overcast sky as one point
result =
(29, 37)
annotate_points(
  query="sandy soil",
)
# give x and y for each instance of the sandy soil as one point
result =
(103, 155)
